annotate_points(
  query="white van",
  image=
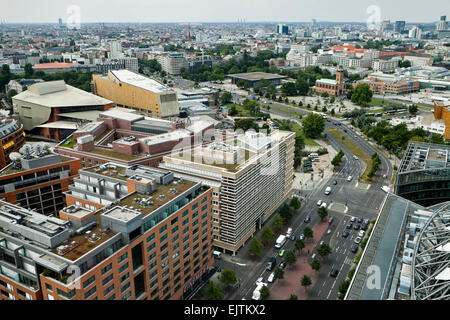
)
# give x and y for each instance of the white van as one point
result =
(217, 254)
(271, 277)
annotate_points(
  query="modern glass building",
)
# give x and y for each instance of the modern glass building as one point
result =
(424, 174)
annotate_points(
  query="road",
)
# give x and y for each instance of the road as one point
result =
(347, 199)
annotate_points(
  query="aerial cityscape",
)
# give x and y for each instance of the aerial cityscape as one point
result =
(224, 151)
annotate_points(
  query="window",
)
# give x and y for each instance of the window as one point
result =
(108, 290)
(47, 286)
(204, 207)
(151, 247)
(185, 230)
(122, 257)
(153, 274)
(106, 269)
(195, 215)
(174, 221)
(174, 229)
(67, 295)
(125, 287)
(113, 297)
(88, 281)
(124, 277)
(163, 238)
(90, 292)
(162, 229)
(186, 221)
(150, 257)
(164, 247)
(154, 283)
(195, 206)
(185, 213)
(150, 237)
(108, 279)
(123, 268)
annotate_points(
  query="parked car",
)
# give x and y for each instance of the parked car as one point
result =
(271, 264)
(302, 237)
(292, 238)
(307, 219)
(330, 221)
(352, 219)
(358, 240)
(282, 265)
(319, 202)
(260, 279)
(334, 273)
(345, 234)
(354, 248)
(289, 232)
(349, 178)
(366, 221)
(361, 233)
(281, 253)
(335, 182)
(355, 157)
(323, 205)
(364, 226)
(356, 226)
(349, 225)
(271, 277)
(359, 220)
(329, 231)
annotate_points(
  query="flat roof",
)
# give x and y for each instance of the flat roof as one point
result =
(140, 81)
(90, 115)
(123, 115)
(255, 76)
(165, 137)
(59, 125)
(422, 155)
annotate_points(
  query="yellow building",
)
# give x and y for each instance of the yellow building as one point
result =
(441, 111)
(131, 90)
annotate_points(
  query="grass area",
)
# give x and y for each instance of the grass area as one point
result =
(353, 148)
(394, 176)
(114, 154)
(242, 112)
(425, 108)
(375, 111)
(297, 128)
(377, 101)
(292, 113)
(69, 143)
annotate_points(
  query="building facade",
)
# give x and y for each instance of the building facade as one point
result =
(12, 138)
(330, 86)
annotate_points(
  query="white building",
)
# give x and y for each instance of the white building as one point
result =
(173, 62)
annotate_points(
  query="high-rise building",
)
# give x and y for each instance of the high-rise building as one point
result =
(115, 48)
(154, 243)
(282, 29)
(251, 175)
(173, 62)
(399, 26)
(442, 24)
(38, 179)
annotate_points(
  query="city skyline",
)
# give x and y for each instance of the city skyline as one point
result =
(137, 11)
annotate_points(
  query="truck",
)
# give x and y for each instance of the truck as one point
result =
(257, 294)
(280, 241)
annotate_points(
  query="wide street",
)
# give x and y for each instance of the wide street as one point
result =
(347, 199)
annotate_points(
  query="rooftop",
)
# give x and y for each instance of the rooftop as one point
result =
(113, 171)
(421, 155)
(140, 81)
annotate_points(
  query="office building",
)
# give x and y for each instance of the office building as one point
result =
(424, 174)
(442, 24)
(399, 26)
(12, 138)
(251, 175)
(173, 62)
(152, 244)
(46, 108)
(131, 90)
(282, 29)
(37, 179)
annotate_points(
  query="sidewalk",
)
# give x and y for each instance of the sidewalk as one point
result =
(291, 283)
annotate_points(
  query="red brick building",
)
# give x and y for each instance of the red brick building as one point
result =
(12, 138)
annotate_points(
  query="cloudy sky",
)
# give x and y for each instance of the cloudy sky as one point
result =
(223, 10)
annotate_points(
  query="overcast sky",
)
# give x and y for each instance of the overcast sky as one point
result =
(31, 11)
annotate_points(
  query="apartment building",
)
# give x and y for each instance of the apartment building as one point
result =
(38, 180)
(154, 243)
(12, 138)
(173, 62)
(251, 176)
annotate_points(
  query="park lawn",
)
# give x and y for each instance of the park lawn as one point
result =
(377, 101)
(297, 128)
(292, 113)
(353, 148)
(242, 112)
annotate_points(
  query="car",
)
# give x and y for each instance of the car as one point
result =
(281, 253)
(353, 219)
(364, 226)
(260, 279)
(355, 157)
(361, 233)
(307, 219)
(302, 237)
(319, 202)
(271, 277)
(359, 220)
(334, 273)
(358, 240)
(330, 221)
(354, 248)
(356, 226)
(384, 176)
(282, 265)
(349, 225)
(366, 221)
(323, 205)
(271, 264)
(292, 237)
(329, 231)
(345, 234)
(335, 182)
(289, 232)
(349, 178)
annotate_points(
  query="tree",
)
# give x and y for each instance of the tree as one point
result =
(332, 99)
(293, 297)
(233, 111)
(11, 93)
(299, 244)
(295, 203)
(308, 233)
(265, 292)
(267, 234)
(290, 257)
(322, 212)
(226, 97)
(413, 109)
(256, 247)
(313, 125)
(289, 89)
(324, 250)
(213, 292)
(228, 277)
(163, 73)
(315, 264)
(306, 281)
(28, 70)
(278, 273)
(404, 64)
(286, 212)
(277, 223)
(362, 94)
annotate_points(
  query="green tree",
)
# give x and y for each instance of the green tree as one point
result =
(286, 212)
(324, 250)
(256, 247)
(267, 234)
(332, 99)
(313, 125)
(277, 223)
(28, 70)
(233, 111)
(289, 89)
(213, 292)
(295, 203)
(290, 257)
(343, 287)
(265, 293)
(278, 273)
(362, 94)
(226, 97)
(308, 232)
(11, 93)
(315, 264)
(306, 282)
(413, 109)
(299, 244)
(293, 297)
(322, 212)
(228, 277)
(163, 73)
